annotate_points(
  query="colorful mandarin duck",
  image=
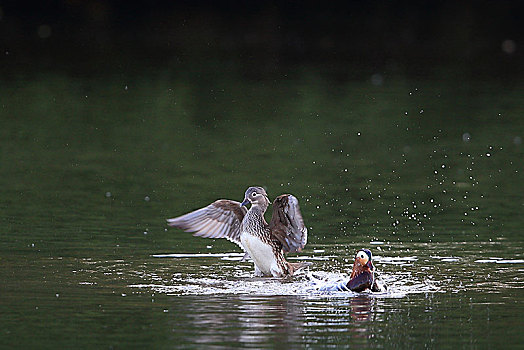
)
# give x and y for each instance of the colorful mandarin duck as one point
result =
(362, 276)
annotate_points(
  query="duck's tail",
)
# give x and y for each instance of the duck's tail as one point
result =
(294, 267)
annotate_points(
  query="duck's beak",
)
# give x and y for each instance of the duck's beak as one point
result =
(245, 202)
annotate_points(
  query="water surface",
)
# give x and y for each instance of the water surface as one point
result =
(427, 174)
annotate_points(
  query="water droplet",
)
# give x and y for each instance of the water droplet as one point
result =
(508, 46)
(377, 79)
(44, 31)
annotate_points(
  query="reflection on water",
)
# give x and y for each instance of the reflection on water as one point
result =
(254, 320)
(361, 309)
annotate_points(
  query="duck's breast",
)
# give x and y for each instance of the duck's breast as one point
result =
(261, 252)
(361, 282)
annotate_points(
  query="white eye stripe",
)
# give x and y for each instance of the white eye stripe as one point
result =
(361, 255)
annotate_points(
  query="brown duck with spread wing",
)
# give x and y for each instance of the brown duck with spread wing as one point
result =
(265, 243)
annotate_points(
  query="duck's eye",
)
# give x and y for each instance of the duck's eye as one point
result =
(254, 194)
(361, 255)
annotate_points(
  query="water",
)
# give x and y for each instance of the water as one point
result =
(427, 174)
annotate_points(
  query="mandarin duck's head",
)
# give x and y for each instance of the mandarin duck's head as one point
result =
(256, 196)
(362, 262)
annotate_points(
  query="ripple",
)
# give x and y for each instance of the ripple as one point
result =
(399, 260)
(500, 261)
(446, 258)
(200, 255)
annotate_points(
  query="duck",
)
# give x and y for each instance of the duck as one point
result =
(266, 244)
(363, 274)
(362, 277)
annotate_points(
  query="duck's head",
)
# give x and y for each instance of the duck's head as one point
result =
(362, 262)
(256, 196)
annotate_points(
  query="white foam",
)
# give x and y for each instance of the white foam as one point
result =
(515, 261)
(500, 261)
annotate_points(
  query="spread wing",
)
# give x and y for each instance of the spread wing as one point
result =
(287, 225)
(220, 219)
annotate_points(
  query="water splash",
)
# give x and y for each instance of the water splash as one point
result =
(238, 281)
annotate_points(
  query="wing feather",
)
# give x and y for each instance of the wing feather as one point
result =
(220, 219)
(220, 231)
(212, 229)
(287, 225)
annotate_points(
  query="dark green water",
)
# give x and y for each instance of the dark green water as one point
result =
(427, 174)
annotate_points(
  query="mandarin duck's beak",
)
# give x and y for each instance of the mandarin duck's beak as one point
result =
(245, 202)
